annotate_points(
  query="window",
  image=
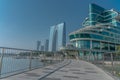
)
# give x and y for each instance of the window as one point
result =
(83, 44)
(95, 45)
(112, 47)
(104, 46)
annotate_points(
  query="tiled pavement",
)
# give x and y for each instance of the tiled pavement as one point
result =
(74, 70)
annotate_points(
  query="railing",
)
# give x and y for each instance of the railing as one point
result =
(14, 61)
(109, 62)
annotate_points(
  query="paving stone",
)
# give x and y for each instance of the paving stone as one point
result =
(63, 71)
(46, 71)
(51, 79)
(74, 69)
(71, 77)
(89, 68)
(32, 74)
(48, 68)
(80, 73)
(91, 72)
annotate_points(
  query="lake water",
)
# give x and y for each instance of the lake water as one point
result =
(12, 65)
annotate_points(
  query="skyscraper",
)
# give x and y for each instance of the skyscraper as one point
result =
(46, 44)
(38, 45)
(57, 37)
(42, 47)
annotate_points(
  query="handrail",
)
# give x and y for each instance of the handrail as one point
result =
(15, 60)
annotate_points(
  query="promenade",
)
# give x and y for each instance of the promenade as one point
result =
(67, 70)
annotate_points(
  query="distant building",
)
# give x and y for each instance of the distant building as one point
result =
(57, 37)
(38, 45)
(46, 45)
(42, 47)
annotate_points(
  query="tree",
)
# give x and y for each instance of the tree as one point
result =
(118, 50)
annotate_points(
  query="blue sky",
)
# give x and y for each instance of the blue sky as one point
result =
(23, 22)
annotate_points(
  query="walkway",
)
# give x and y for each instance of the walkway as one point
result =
(67, 70)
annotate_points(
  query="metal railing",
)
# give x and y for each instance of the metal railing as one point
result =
(109, 62)
(14, 61)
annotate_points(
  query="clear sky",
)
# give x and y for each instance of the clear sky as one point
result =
(23, 22)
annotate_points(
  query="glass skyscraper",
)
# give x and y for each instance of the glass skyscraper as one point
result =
(46, 44)
(42, 48)
(38, 45)
(57, 38)
(100, 32)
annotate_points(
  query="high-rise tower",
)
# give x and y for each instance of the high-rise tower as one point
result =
(57, 37)
(46, 44)
(38, 45)
(42, 48)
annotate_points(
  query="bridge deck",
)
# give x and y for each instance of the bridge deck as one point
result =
(67, 70)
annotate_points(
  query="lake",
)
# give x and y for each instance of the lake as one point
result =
(11, 65)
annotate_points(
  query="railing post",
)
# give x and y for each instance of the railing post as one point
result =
(44, 60)
(1, 61)
(53, 57)
(112, 64)
(103, 59)
(30, 64)
(89, 55)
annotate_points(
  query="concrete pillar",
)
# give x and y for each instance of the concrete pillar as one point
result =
(96, 56)
(103, 58)
(89, 55)
(90, 44)
(112, 63)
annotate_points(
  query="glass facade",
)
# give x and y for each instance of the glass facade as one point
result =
(83, 44)
(57, 37)
(96, 45)
(104, 46)
(100, 32)
(46, 44)
(99, 15)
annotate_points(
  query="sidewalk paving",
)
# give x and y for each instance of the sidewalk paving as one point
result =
(74, 70)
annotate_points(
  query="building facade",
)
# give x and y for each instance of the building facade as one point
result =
(57, 37)
(38, 45)
(42, 48)
(100, 32)
(46, 44)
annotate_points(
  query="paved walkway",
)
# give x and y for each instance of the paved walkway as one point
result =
(67, 70)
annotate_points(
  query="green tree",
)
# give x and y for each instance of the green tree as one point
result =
(118, 50)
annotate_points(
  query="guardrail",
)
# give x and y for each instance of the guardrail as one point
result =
(109, 62)
(14, 61)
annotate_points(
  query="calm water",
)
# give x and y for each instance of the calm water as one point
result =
(13, 65)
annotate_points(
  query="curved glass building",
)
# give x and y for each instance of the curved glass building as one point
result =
(100, 32)
(57, 38)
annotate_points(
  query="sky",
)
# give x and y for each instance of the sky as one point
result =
(24, 22)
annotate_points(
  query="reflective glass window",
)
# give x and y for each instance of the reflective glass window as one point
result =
(104, 46)
(95, 44)
(72, 36)
(83, 44)
(112, 47)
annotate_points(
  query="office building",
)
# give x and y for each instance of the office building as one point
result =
(100, 33)
(38, 45)
(42, 47)
(57, 37)
(46, 44)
